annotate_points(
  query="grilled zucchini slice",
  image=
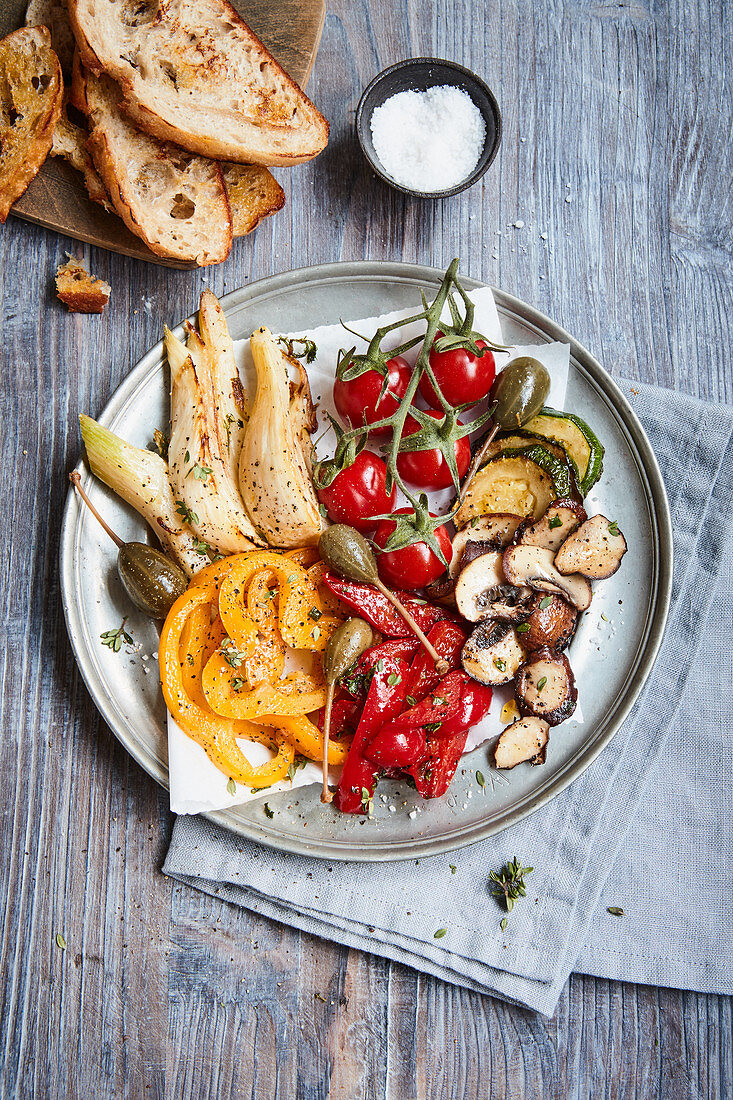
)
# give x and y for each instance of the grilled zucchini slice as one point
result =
(578, 440)
(522, 480)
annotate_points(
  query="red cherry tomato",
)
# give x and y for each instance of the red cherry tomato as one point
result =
(462, 376)
(359, 398)
(428, 469)
(359, 492)
(414, 566)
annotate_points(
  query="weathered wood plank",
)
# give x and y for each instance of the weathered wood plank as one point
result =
(162, 991)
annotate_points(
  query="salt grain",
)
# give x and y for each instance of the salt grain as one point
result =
(428, 141)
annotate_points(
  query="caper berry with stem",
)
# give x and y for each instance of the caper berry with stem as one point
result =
(350, 555)
(518, 394)
(348, 642)
(151, 580)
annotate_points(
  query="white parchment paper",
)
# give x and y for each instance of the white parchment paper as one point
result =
(195, 783)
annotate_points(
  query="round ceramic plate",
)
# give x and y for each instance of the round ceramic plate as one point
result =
(612, 652)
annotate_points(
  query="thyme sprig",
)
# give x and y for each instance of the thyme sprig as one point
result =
(434, 433)
(309, 352)
(508, 884)
(114, 638)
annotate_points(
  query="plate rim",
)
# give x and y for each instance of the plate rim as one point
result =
(662, 565)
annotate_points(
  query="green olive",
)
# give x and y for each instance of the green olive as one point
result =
(520, 391)
(152, 581)
(348, 553)
(346, 644)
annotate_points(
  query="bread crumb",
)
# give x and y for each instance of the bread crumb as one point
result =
(80, 291)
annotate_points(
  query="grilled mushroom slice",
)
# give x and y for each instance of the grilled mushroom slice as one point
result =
(594, 550)
(474, 584)
(558, 522)
(475, 548)
(442, 590)
(525, 739)
(493, 653)
(534, 565)
(551, 623)
(509, 603)
(546, 688)
(496, 529)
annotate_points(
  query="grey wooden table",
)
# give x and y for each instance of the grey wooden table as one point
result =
(617, 123)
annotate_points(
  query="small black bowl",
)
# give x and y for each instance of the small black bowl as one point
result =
(417, 74)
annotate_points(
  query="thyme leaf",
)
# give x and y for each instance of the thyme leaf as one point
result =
(234, 657)
(185, 512)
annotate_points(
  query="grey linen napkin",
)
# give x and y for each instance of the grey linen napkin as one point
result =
(646, 828)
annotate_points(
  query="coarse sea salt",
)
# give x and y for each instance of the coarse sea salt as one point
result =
(428, 141)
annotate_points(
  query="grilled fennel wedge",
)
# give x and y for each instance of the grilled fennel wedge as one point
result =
(229, 398)
(207, 423)
(141, 478)
(275, 465)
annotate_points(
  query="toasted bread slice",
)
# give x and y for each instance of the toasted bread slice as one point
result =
(173, 200)
(191, 71)
(79, 290)
(31, 92)
(254, 194)
(69, 142)
(54, 15)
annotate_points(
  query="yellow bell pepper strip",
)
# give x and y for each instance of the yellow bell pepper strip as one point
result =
(328, 601)
(296, 694)
(199, 639)
(307, 737)
(215, 734)
(229, 758)
(305, 556)
(215, 572)
(263, 600)
(268, 661)
(297, 598)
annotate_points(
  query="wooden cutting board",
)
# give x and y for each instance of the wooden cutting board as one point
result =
(291, 30)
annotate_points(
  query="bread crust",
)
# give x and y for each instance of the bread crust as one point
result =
(173, 86)
(253, 194)
(26, 135)
(156, 188)
(80, 291)
(69, 142)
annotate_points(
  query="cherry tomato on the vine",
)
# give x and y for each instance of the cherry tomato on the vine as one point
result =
(428, 469)
(414, 566)
(359, 398)
(359, 492)
(462, 376)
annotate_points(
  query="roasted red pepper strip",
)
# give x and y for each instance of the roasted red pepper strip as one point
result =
(444, 746)
(384, 701)
(433, 773)
(473, 706)
(442, 703)
(371, 605)
(449, 639)
(344, 715)
(396, 746)
(356, 680)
